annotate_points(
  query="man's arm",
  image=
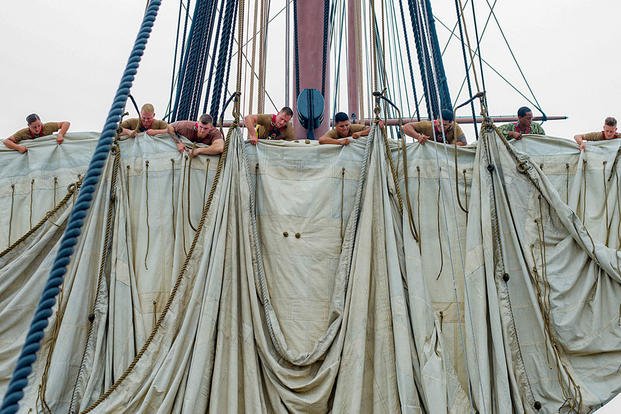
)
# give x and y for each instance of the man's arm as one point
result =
(250, 121)
(364, 132)
(217, 147)
(325, 139)
(64, 127)
(10, 142)
(163, 129)
(408, 129)
(580, 141)
(176, 139)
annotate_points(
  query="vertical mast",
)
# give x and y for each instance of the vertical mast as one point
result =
(312, 72)
(353, 69)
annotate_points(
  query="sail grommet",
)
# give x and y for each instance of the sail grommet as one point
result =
(298, 235)
(91, 317)
(491, 167)
(285, 233)
(307, 141)
(537, 405)
(506, 277)
(521, 167)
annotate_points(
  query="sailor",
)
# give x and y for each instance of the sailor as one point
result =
(146, 123)
(203, 132)
(343, 129)
(444, 130)
(34, 130)
(270, 126)
(609, 132)
(524, 125)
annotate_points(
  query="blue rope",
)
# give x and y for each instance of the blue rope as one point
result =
(227, 36)
(19, 380)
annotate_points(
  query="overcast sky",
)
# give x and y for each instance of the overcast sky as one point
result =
(64, 59)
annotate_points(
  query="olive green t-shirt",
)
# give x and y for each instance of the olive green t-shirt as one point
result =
(265, 129)
(598, 136)
(353, 128)
(426, 128)
(135, 124)
(48, 129)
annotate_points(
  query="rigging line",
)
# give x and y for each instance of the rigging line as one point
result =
(174, 69)
(407, 49)
(338, 60)
(296, 49)
(496, 72)
(146, 186)
(265, 4)
(476, 36)
(513, 56)
(324, 52)
(287, 52)
(460, 20)
(270, 20)
(217, 51)
(254, 52)
(401, 76)
(31, 191)
(444, 207)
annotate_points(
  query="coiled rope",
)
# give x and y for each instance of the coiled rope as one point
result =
(28, 356)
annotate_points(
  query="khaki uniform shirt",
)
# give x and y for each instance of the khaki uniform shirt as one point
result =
(353, 128)
(134, 124)
(265, 129)
(426, 128)
(188, 130)
(48, 129)
(598, 136)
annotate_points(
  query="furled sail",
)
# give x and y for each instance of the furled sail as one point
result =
(293, 277)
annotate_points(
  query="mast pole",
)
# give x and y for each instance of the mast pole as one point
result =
(310, 45)
(353, 69)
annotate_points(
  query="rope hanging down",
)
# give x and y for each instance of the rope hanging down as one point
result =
(28, 356)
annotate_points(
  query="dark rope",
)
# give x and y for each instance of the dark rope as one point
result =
(407, 49)
(466, 66)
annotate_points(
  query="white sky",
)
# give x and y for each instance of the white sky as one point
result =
(64, 59)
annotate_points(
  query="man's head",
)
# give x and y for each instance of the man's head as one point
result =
(342, 124)
(34, 123)
(147, 115)
(525, 116)
(283, 117)
(204, 125)
(447, 119)
(610, 127)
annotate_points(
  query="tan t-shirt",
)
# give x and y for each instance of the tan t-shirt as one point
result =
(265, 129)
(134, 124)
(353, 128)
(188, 130)
(598, 136)
(48, 129)
(426, 128)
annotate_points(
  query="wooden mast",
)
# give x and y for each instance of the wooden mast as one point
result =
(310, 26)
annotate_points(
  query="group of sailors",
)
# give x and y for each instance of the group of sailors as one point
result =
(278, 126)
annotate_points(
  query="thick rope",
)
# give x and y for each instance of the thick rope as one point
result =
(179, 279)
(23, 368)
(70, 191)
(103, 263)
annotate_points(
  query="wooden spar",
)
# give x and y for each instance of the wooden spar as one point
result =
(465, 120)
(353, 69)
(310, 20)
(460, 120)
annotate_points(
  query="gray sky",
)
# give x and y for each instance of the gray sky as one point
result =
(64, 59)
